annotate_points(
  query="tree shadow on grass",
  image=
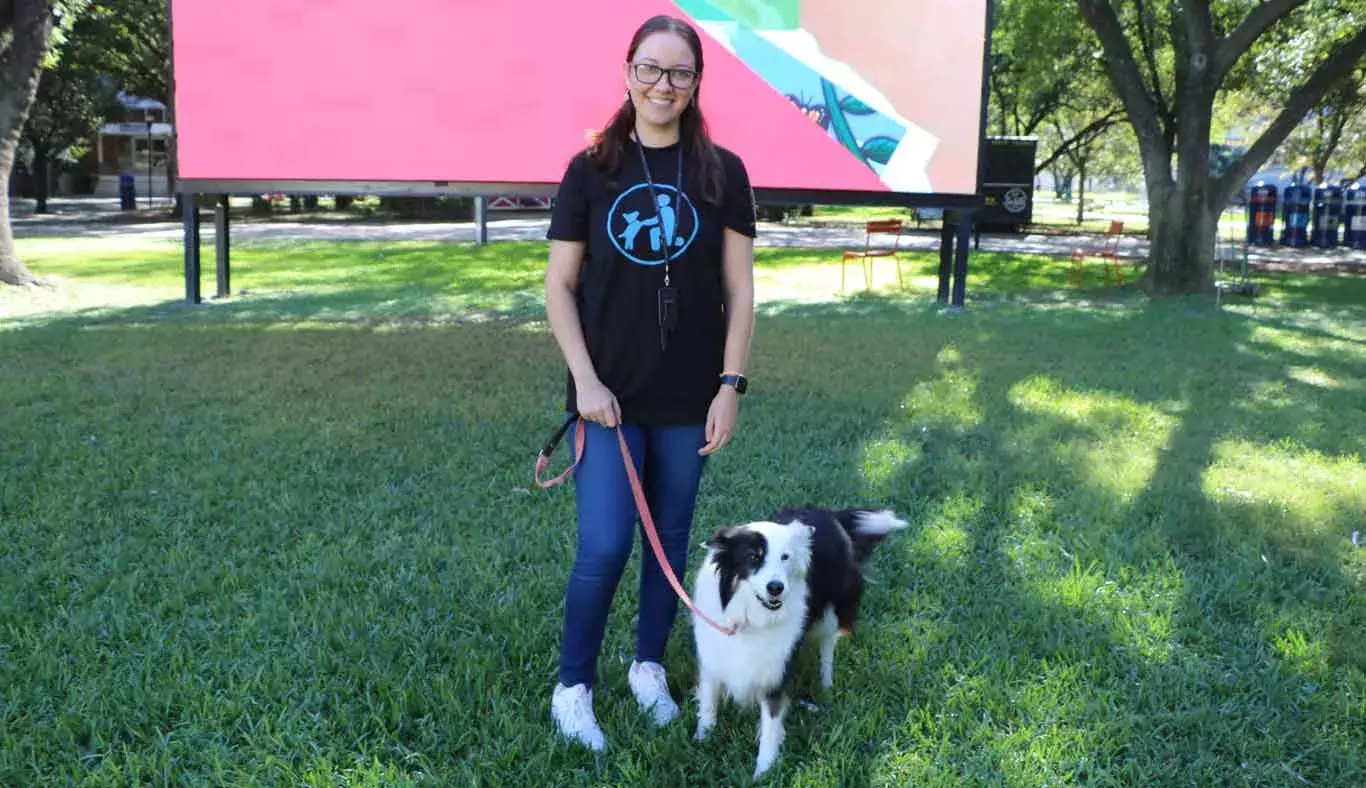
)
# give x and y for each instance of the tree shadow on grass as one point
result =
(1077, 600)
(1107, 614)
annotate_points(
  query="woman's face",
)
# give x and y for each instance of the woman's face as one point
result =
(662, 78)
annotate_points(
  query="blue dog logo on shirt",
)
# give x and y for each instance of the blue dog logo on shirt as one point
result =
(641, 228)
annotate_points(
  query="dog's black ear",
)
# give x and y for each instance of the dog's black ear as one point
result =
(720, 538)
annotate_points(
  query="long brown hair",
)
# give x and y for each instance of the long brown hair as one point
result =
(608, 146)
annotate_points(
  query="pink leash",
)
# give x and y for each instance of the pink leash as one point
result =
(543, 462)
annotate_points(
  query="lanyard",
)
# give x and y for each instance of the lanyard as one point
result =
(678, 199)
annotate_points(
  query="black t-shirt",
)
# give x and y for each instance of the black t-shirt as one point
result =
(624, 230)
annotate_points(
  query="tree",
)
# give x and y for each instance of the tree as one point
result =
(1079, 142)
(128, 42)
(29, 29)
(1351, 158)
(1167, 62)
(1332, 127)
(69, 106)
(1046, 81)
(116, 45)
(1083, 118)
(1039, 48)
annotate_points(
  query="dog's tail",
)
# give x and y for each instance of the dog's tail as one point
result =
(868, 527)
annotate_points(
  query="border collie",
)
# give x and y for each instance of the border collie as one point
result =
(779, 580)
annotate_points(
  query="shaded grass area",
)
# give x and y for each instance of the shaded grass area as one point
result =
(287, 539)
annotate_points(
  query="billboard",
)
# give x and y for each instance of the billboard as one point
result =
(878, 101)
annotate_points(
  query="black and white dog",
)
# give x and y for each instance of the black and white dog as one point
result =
(779, 580)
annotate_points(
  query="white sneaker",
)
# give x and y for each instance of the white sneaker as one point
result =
(572, 708)
(648, 682)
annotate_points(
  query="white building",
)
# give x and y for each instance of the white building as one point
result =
(135, 144)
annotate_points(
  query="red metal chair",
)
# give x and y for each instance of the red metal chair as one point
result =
(891, 227)
(1108, 252)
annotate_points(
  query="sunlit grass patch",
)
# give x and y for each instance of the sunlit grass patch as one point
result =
(1113, 441)
(1303, 497)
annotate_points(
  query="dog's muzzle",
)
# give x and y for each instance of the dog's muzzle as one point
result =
(771, 604)
(774, 599)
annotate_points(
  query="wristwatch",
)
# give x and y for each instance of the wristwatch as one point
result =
(736, 381)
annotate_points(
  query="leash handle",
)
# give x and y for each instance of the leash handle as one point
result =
(543, 459)
(543, 462)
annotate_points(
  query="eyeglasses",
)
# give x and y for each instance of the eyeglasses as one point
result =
(649, 73)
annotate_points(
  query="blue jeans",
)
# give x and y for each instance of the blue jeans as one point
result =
(670, 472)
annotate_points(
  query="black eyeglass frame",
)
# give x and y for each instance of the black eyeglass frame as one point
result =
(683, 73)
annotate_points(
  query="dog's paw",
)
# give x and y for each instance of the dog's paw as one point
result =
(762, 767)
(703, 728)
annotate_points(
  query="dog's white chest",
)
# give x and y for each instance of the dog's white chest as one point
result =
(751, 662)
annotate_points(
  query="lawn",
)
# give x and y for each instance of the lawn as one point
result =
(290, 538)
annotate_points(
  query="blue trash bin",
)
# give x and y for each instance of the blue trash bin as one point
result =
(1354, 216)
(1261, 214)
(1327, 216)
(1295, 202)
(128, 198)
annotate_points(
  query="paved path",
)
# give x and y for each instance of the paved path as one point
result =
(91, 220)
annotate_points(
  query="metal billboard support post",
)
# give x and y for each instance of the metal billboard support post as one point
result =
(955, 239)
(945, 256)
(960, 258)
(190, 220)
(222, 245)
(481, 220)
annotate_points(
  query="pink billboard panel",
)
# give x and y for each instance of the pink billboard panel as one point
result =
(878, 97)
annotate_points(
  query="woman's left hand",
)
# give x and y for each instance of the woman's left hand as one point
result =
(721, 418)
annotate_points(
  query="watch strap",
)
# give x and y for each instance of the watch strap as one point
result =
(735, 380)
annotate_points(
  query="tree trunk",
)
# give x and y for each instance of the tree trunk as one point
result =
(1184, 223)
(1181, 233)
(32, 33)
(1081, 194)
(1062, 183)
(42, 177)
(12, 269)
(172, 144)
(1000, 102)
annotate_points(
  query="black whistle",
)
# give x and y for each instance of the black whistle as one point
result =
(668, 314)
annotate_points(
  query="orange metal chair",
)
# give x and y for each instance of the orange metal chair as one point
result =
(1108, 252)
(891, 227)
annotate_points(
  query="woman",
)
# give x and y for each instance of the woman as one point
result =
(650, 295)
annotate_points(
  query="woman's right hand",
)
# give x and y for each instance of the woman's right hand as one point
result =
(597, 404)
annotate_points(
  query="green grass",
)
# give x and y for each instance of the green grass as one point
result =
(435, 280)
(287, 539)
